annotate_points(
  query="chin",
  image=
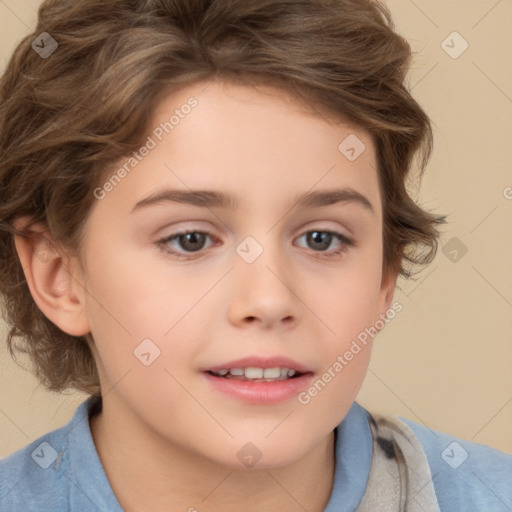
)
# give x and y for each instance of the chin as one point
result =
(260, 455)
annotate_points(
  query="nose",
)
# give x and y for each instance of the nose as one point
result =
(263, 292)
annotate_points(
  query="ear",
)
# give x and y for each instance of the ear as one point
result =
(57, 292)
(387, 291)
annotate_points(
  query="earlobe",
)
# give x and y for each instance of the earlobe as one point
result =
(56, 291)
(387, 292)
(389, 285)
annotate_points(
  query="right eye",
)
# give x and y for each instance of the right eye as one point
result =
(189, 241)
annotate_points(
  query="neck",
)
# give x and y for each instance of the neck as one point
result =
(152, 474)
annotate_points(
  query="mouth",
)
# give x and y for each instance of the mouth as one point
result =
(257, 374)
(258, 380)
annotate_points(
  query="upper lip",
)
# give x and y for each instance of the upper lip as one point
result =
(260, 362)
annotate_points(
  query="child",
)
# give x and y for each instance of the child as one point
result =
(221, 377)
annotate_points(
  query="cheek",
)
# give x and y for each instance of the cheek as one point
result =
(347, 300)
(348, 307)
(137, 291)
(333, 390)
(133, 298)
(346, 350)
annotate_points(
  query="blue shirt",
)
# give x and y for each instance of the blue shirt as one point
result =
(61, 471)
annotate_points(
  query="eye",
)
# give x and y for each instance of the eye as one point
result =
(190, 241)
(320, 240)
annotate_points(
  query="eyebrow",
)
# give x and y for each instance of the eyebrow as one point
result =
(215, 199)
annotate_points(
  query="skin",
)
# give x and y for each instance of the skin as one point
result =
(168, 440)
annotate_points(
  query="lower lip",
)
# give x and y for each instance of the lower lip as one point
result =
(263, 393)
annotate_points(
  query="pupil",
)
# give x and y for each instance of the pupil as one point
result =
(321, 237)
(190, 239)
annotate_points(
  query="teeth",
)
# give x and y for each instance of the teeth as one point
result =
(271, 373)
(255, 373)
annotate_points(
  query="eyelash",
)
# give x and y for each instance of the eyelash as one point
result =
(345, 241)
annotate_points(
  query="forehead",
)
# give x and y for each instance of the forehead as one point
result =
(257, 109)
(261, 143)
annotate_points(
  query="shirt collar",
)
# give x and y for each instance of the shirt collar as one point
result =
(90, 479)
(353, 461)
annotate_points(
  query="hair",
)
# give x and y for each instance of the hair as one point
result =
(65, 119)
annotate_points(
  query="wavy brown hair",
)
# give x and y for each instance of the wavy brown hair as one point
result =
(65, 119)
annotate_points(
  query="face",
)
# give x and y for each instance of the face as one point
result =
(182, 287)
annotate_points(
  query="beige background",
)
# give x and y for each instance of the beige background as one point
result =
(446, 359)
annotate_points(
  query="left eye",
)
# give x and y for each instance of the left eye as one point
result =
(323, 239)
(193, 241)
